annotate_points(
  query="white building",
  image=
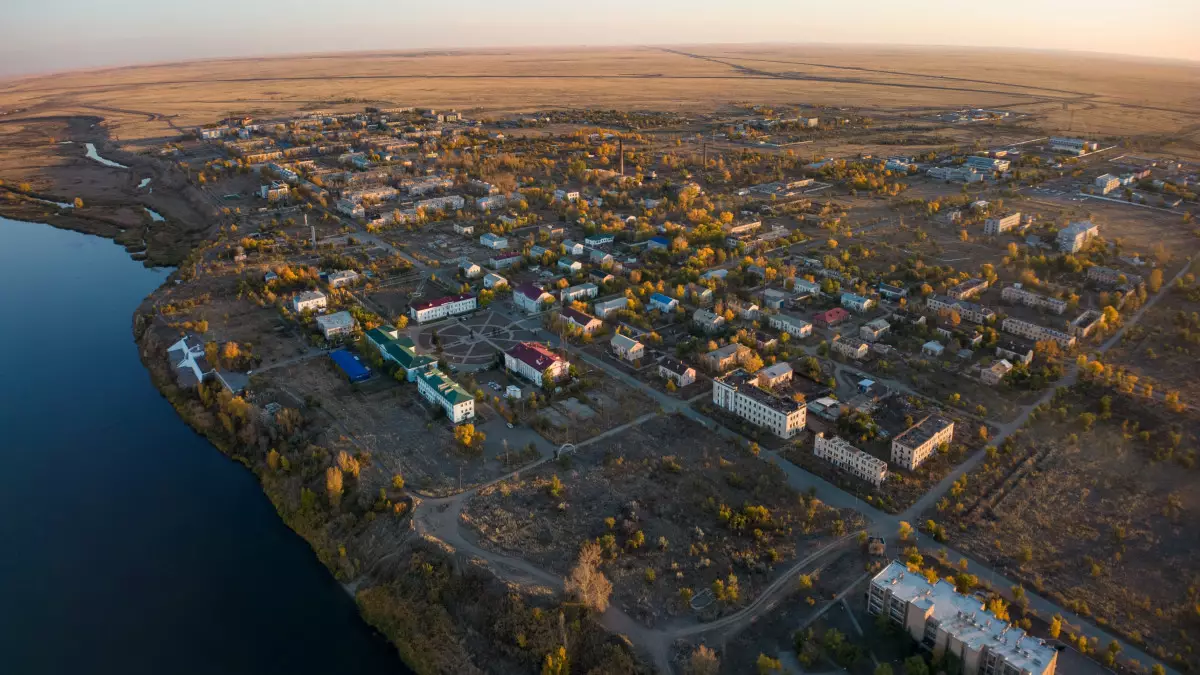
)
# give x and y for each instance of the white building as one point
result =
(569, 196)
(493, 280)
(581, 292)
(840, 453)
(911, 448)
(968, 311)
(333, 325)
(797, 328)
(536, 363)
(464, 229)
(1071, 146)
(677, 371)
(581, 321)
(1032, 331)
(737, 393)
(947, 622)
(1075, 236)
(602, 308)
(711, 322)
(774, 375)
(1107, 183)
(627, 348)
(493, 241)
(343, 278)
(470, 270)
(1001, 224)
(1015, 293)
(440, 308)
(871, 331)
(190, 364)
(851, 348)
(662, 302)
(437, 387)
(532, 298)
(993, 374)
(441, 203)
(308, 301)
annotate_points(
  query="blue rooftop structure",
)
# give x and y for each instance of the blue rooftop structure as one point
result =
(354, 369)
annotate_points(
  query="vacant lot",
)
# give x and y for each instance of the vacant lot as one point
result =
(673, 507)
(1163, 347)
(1095, 505)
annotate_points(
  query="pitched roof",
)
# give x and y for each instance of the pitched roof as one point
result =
(576, 316)
(535, 355)
(624, 341)
(445, 387)
(442, 301)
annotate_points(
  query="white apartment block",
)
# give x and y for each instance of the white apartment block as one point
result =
(1107, 183)
(1111, 277)
(969, 311)
(1073, 146)
(797, 328)
(1001, 224)
(851, 347)
(840, 453)
(342, 278)
(1075, 236)
(338, 323)
(677, 371)
(1017, 294)
(945, 621)
(1032, 331)
(737, 393)
(627, 348)
(442, 307)
(911, 448)
(437, 388)
(308, 301)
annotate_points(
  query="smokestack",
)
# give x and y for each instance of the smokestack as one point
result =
(621, 151)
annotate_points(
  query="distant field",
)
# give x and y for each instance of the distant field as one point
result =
(1106, 95)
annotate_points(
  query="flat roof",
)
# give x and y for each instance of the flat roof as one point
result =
(920, 433)
(743, 383)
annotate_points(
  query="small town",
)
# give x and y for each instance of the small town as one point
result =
(697, 377)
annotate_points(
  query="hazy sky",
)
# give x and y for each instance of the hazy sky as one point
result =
(43, 35)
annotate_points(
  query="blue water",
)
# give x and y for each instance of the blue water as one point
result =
(128, 544)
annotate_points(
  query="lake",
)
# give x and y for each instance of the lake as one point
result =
(131, 545)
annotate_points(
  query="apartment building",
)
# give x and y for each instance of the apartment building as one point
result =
(840, 453)
(1075, 236)
(627, 348)
(851, 348)
(1017, 352)
(968, 311)
(1086, 323)
(1019, 295)
(722, 359)
(1001, 224)
(677, 371)
(536, 363)
(336, 324)
(968, 289)
(857, 303)
(584, 323)
(945, 621)
(400, 350)
(737, 393)
(708, 321)
(308, 301)
(871, 331)
(911, 448)
(1107, 183)
(531, 297)
(493, 241)
(1107, 276)
(441, 308)
(437, 388)
(1032, 331)
(797, 328)
(582, 291)
(981, 163)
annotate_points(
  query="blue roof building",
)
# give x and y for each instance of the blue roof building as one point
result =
(658, 242)
(354, 369)
(663, 302)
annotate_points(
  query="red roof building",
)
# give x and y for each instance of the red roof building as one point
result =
(831, 317)
(535, 362)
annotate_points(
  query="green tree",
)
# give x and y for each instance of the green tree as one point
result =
(915, 665)
(767, 665)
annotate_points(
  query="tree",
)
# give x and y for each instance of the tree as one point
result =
(466, 435)
(906, 531)
(398, 481)
(348, 464)
(587, 582)
(556, 663)
(333, 484)
(1155, 281)
(273, 459)
(704, 661)
(767, 665)
(883, 669)
(1055, 627)
(79, 205)
(555, 487)
(915, 665)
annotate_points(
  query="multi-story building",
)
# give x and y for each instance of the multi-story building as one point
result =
(1017, 352)
(441, 203)
(840, 453)
(857, 303)
(1015, 293)
(831, 317)
(493, 280)
(1001, 224)
(958, 174)
(891, 292)
(968, 289)
(1107, 276)
(531, 297)
(873, 330)
(584, 323)
(598, 239)
(627, 348)
(721, 359)
(437, 388)
(737, 393)
(662, 303)
(504, 260)
(796, 327)
(1072, 146)
(493, 241)
(981, 163)
(603, 307)
(465, 229)
(1075, 236)
(1032, 331)
(947, 622)
(993, 374)
(911, 448)
(569, 265)
(1107, 183)
(851, 348)
(441, 308)
(806, 287)
(308, 301)
(969, 311)
(580, 292)
(400, 350)
(774, 375)
(708, 321)
(677, 371)
(336, 324)
(1086, 323)
(536, 363)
